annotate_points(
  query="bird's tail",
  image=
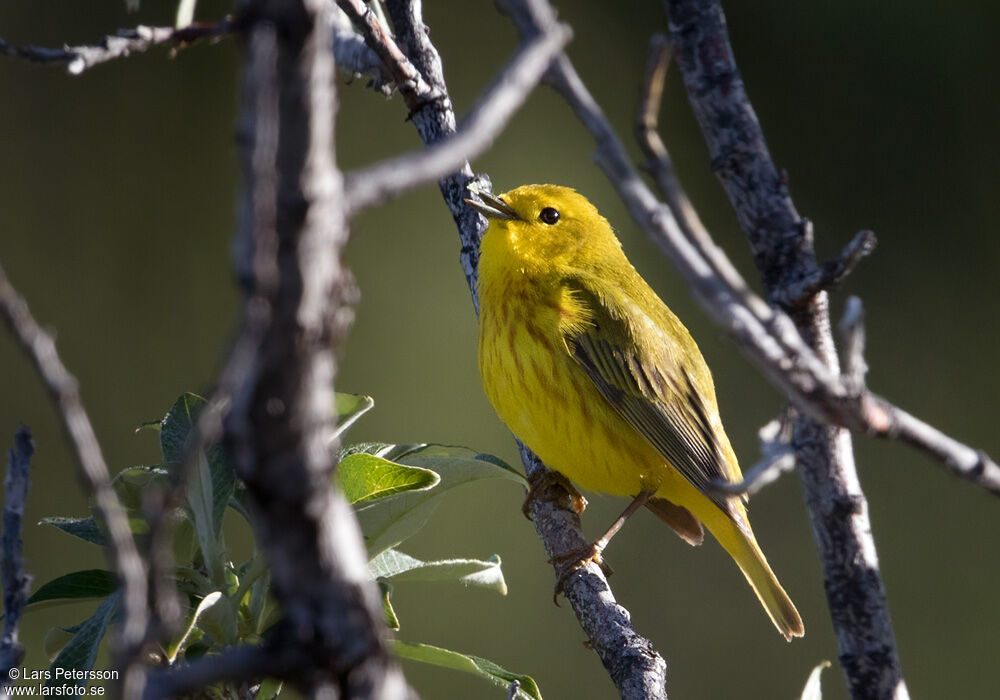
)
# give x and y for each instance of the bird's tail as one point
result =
(742, 547)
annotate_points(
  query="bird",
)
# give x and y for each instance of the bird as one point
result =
(592, 371)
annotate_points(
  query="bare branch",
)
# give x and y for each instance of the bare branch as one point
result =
(852, 330)
(659, 165)
(297, 310)
(889, 421)
(354, 56)
(244, 663)
(832, 272)
(16, 582)
(783, 252)
(416, 91)
(62, 389)
(777, 458)
(122, 43)
(635, 667)
(885, 420)
(491, 113)
(351, 52)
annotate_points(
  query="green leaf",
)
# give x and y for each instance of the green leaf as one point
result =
(813, 691)
(79, 585)
(84, 528)
(174, 431)
(350, 407)
(177, 424)
(81, 651)
(269, 689)
(250, 574)
(132, 483)
(365, 477)
(220, 621)
(471, 464)
(391, 621)
(395, 565)
(388, 521)
(240, 502)
(199, 500)
(207, 602)
(425, 653)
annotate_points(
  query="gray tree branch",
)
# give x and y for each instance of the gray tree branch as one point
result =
(63, 391)
(783, 252)
(235, 665)
(297, 309)
(122, 43)
(16, 581)
(350, 50)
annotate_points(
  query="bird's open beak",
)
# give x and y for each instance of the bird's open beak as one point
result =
(491, 206)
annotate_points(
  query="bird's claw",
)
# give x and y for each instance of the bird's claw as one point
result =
(541, 489)
(568, 564)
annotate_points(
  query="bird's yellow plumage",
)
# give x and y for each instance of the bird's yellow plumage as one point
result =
(592, 371)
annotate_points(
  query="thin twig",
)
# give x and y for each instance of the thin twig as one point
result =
(660, 166)
(243, 663)
(62, 388)
(16, 582)
(777, 458)
(354, 56)
(832, 272)
(352, 53)
(122, 43)
(416, 91)
(852, 330)
(488, 117)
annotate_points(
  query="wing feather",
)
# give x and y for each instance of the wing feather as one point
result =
(651, 385)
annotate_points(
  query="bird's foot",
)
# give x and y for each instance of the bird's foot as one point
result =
(568, 564)
(552, 486)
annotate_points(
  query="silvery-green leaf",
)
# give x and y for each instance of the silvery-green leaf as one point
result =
(350, 407)
(80, 652)
(813, 691)
(207, 602)
(483, 668)
(395, 565)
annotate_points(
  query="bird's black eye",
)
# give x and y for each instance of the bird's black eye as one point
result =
(548, 215)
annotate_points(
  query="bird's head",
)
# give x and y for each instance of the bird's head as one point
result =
(546, 223)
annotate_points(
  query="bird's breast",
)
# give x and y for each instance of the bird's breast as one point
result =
(543, 395)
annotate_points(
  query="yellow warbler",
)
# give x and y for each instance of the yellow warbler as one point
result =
(592, 371)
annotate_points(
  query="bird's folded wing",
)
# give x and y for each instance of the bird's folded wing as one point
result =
(646, 376)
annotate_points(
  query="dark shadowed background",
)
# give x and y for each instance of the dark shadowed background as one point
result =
(117, 205)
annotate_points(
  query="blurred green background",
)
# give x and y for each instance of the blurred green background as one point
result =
(117, 206)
